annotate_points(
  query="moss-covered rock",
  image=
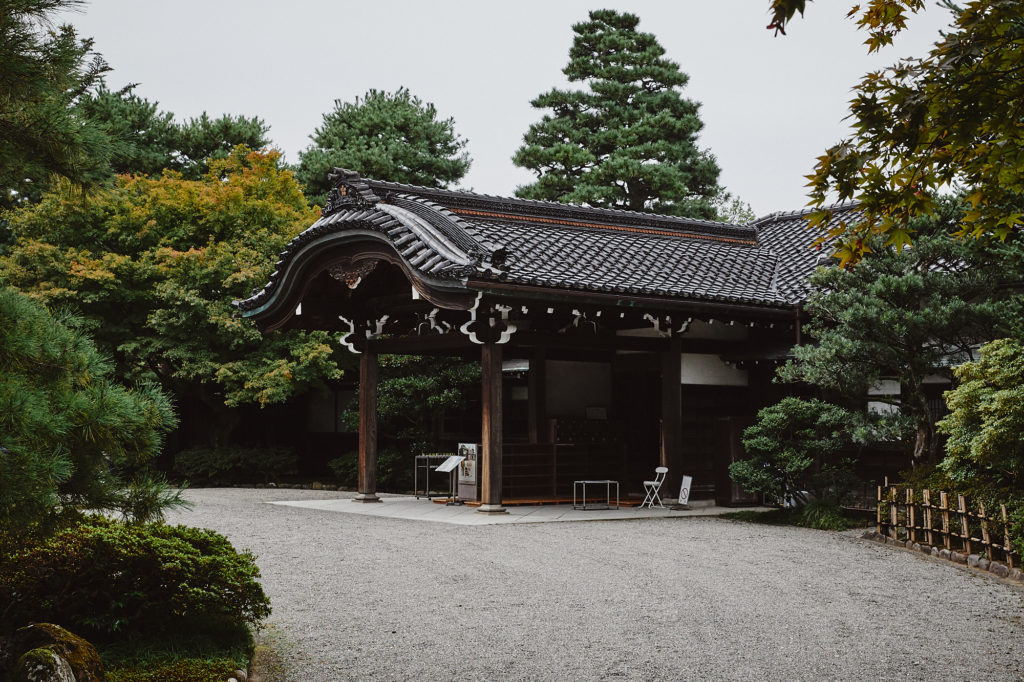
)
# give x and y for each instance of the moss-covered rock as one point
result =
(42, 665)
(79, 655)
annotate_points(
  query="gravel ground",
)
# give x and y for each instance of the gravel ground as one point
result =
(369, 598)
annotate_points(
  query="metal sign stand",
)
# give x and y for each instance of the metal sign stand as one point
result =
(450, 466)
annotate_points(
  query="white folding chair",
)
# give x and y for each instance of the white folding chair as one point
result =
(653, 488)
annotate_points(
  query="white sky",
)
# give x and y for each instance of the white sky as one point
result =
(769, 105)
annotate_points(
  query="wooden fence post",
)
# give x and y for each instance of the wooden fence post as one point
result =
(878, 520)
(944, 508)
(893, 514)
(965, 528)
(983, 521)
(911, 516)
(926, 495)
(1006, 537)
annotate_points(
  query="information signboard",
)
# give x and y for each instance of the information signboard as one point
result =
(467, 469)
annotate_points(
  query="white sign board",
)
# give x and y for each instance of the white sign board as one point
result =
(684, 491)
(448, 466)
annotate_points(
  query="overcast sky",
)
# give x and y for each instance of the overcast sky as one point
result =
(770, 105)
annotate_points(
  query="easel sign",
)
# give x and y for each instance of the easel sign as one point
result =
(448, 467)
(684, 491)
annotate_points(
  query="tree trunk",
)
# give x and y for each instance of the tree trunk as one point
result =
(924, 438)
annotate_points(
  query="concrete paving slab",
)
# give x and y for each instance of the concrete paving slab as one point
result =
(408, 507)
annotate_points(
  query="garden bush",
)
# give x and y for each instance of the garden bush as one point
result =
(107, 580)
(797, 445)
(394, 470)
(234, 464)
(182, 670)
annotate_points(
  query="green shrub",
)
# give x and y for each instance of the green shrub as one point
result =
(103, 579)
(823, 515)
(394, 470)
(346, 469)
(234, 464)
(183, 670)
(819, 515)
(1017, 529)
(798, 444)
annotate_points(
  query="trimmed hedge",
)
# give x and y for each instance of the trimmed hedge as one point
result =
(234, 464)
(104, 579)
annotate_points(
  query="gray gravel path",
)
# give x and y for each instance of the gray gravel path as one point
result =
(369, 598)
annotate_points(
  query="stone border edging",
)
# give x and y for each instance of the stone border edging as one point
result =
(996, 568)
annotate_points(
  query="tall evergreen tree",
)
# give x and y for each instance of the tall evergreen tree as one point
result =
(146, 141)
(629, 140)
(386, 136)
(43, 72)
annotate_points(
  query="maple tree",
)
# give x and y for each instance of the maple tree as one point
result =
(950, 119)
(153, 265)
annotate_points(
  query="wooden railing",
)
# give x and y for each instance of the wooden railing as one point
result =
(903, 515)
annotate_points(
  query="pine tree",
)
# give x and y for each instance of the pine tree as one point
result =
(629, 140)
(147, 141)
(42, 74)
(385, 136)
(70, 436)
(904, 316)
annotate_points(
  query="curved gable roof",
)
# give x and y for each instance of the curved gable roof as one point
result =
(451, 240)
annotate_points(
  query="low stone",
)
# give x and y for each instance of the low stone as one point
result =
(983, 563)
(330, 487)
(944, 553)
(317, 485)
(271, 485)
(973, 559)
(307, 486)
(241, 675)
(916, 546)
(81, 657)
(958, 557)
(890, 541)
(996, 568)
(908, 544)
(935, 551)
(1016, 574)
(42, 665)
(926, 549)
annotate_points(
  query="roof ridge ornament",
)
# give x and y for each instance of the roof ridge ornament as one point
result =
(348, 191)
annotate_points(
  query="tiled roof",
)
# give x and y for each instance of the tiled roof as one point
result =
(472, 240)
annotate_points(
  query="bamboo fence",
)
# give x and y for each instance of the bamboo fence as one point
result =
(903, 515)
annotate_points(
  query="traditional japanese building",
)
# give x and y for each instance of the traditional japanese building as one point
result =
(640, 340)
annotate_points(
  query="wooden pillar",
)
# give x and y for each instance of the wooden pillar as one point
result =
(367, 428)
(671, 414)
(490, 467)
(537, 417)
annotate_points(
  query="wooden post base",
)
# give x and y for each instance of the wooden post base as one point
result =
(366, 497)
(492, 509)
